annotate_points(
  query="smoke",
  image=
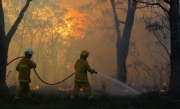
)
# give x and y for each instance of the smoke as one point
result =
(57, 46)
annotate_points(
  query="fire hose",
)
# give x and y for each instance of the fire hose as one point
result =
(37, 73)
(52, 83)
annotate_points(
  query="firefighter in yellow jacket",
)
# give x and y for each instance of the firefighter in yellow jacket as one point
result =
(24, 67)
(81, 80)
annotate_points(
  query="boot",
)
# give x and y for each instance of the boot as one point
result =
(16, 99)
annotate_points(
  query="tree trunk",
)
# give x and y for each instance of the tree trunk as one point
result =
(122, 44)
(126, 40)
(3, 54)
(174, 86)
(4, 45)
(118, 42)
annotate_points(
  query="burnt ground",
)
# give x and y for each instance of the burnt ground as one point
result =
(151, 100)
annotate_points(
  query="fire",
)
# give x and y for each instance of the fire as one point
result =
(78, 23)
(66, 89)
(69, 25)
(162, 91)
(36, 87)
(164, 87)
(165, 84)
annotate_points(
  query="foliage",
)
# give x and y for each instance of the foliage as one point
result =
(155, 26)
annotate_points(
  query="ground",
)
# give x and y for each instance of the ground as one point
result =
(60, 100)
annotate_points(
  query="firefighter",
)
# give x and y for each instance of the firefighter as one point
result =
(81, 80)
(24, 67)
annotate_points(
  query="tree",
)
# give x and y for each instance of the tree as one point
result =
(5, 41)
(174, 21)
(102, 22)
(158, 48)
(122, 44)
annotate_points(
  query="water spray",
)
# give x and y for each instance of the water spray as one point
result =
(118, 82)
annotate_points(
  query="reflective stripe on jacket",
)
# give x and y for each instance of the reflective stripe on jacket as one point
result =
(81, 67)
(23, 68)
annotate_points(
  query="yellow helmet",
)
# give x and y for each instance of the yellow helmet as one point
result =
(84, 53)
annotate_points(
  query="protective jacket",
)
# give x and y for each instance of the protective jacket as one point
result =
(24, 67)
(81, 67)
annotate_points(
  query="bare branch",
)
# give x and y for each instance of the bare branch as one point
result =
(143, 7)
(17, 22)
(153, 4)
(122, 22)
(167, 1)
(161, 18)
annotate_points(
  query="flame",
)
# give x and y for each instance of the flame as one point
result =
(164, 84)
(36, 87)
(69, 25)
(162, 91)
(77, 23)
(67, 89)
(74, 24)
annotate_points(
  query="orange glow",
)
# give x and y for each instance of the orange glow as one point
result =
(67, 89)
(165, 84)
(162, 91)
(71, 24)
(36, 87)
(4, 4)
(77, 25)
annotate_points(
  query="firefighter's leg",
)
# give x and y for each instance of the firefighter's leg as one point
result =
(27, 91)
(19, 92)
(87, 89)
(75, 90)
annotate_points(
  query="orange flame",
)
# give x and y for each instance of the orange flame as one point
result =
(165, 84)
(66, 89)
(162, 91)
(36, 87)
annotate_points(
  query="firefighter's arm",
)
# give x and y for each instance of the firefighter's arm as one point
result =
(32, 64)
(89, 68)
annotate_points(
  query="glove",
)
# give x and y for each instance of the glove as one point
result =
(93, 71)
